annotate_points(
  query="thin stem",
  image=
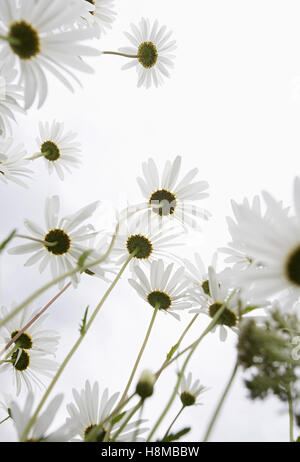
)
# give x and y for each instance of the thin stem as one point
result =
(181, 373)
(119, 54)
(4, 420)
(138, 422)
(130, 415)
(220, 404)
(167, 362)
(30, 238)
(59, 279)
(75, 347)
(40, 154)
(172, 423)
(157, 375)
(11, 40)
(35, 318)
(291, 415)
(9, 354)
(140, 354)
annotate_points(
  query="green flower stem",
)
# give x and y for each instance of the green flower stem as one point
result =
(40, 154)
(48, 244)
(11, 40)
(172, 423)
(4, 420)
(167, 362)
(119, 54)
(291, 415)
(5, 360)
(59, 279)
(74, 348)
(131, 414)
(181, 373)
(220, 404)
(140, 354)
(35, 318)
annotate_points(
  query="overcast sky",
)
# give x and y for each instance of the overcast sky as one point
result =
(232, 109)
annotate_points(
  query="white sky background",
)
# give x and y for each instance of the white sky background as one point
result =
(231, 108)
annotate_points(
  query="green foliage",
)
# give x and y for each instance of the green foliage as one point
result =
(175, 436)
(266, 351)
(82, 326)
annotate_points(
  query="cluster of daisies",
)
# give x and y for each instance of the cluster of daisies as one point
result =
(37, 38)
(262, 263)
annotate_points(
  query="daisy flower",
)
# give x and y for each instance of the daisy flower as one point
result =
(26, 366)
(11, 94)
(89, 410)
(99, 14)
(151, 51)
(151, 242)
(276, 245)
(197, 274)
(238, 253)
(32, 33)
(59, 149)
(163, 287)
(39, 430)
(168, 197)
(190, 391)
(35, 338)
(61, 243)
(220, 291)
(13, 164)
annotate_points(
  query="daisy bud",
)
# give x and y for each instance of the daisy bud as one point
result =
(145, 385)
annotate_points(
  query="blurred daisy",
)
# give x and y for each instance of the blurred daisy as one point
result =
(60, 150)
(162, 288)
(34, 337)
(151, 242)
(89, 410)
(100, 14)
(61, 243)
(26, 366)
(151, 51)
(169, 198)
(220, 291)
(13, 164)
(38, 432)
(197, 273)
(276, 245)
(32, 33)
(238, 253)
(11, 95)
(190, 391)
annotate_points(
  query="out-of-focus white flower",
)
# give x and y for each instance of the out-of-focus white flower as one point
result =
(32, 33)
(13, 164)
(89, 410)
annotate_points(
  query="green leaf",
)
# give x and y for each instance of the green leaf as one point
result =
(118, 418)
(172, 351)
(7, 240)
(298, 440)
(82, 326)
(175, 436)
(250, 308)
